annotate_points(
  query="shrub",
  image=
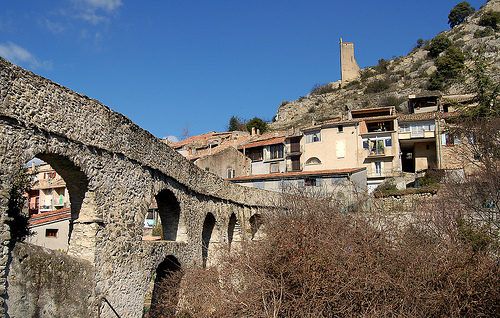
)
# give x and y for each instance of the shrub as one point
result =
(320, 89)
(18, 222)
(490, 19)
(366, 73)
(377, 86)
(452, 64)
(420, 42)
(318, 261)
(439, 44)
(382, 66)
(436, 82)
(484, 32)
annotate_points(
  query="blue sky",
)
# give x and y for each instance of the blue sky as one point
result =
(169, 65)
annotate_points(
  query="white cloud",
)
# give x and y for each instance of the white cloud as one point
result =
(93, 18)
(19, 55)
(109, 5)
(54, 27)
(171, 138)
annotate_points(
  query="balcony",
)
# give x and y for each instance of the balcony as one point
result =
(294, 150)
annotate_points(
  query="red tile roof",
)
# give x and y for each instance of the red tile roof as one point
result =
(192, 139)
(51, 216)
(297, 174)
(270, 141)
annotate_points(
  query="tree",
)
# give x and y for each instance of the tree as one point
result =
(491, 19)
(439, 44)
(17, 200)
(452, 64)
(258, 124)
(236, 123)
(459, 13)
(420, 42)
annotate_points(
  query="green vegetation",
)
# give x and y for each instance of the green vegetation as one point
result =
(439, 44)
(258, 124)
(451, 65)
(320, 89)
(420, 43)
(484, 32)
(17, 201)
(236, 124)
(490, 19)
(459, 13)
(377, 86)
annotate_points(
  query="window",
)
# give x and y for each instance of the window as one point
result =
(313, 137)
(340, 128)
(448, 140)
(376, 145)
(274, 167)
(255, 154)
(388, 142)
(378, 168)
(337, 181)
(313, 161)
(284, 183)
(231, 173)
(313, 182)
(310, 182)
(276, 151)
(300, 183)
(258, 184)
(340, 148)
(51, 232)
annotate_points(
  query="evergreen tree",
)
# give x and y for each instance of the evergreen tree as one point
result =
(459, 13)
(258, 124)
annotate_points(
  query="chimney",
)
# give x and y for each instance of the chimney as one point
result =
(258, 132)
(253, 131)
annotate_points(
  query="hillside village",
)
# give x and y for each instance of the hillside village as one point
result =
(384, 123)
(342, 139)
(391, 126)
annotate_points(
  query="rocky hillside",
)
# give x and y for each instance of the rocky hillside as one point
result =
(425, 70)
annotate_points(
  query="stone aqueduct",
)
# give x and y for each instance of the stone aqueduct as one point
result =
(113, 170)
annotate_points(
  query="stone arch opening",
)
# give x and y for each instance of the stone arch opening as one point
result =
(233, 230)
(206, 237)
(256, 226)
(55, 200)
(166, 284)
(169, 211)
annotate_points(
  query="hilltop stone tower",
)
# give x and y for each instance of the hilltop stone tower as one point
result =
(349, 66)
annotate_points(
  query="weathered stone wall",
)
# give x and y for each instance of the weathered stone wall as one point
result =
(113, 169)
(46, 283)
(402, 203)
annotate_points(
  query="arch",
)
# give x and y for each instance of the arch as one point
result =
(83, 223)
(169, 211)
(206, 237)
(165, 270)
(255, 226)
(233, 230)
(313, 161)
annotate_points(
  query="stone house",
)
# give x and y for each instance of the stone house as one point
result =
(49, 208)
(51, 229)
(217, 153)
(266, 152)
(48, 191)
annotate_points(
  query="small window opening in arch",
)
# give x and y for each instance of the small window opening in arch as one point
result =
(206, 237)
(313, 161)
(166, 216)
(255, 226)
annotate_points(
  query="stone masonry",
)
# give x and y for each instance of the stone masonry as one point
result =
(113, 170)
